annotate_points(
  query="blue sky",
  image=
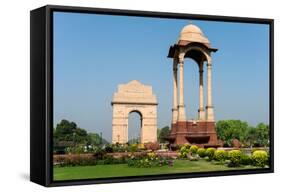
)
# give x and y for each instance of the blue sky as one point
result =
(95, 53)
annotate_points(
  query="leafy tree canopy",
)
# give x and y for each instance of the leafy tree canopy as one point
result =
(163, 133)
(228, 130)
(69, 133)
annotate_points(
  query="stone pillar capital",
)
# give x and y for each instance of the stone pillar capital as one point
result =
(209, 63)
(181, 60)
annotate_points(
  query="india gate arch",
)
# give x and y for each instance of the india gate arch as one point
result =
(194, 45)
(134, 97)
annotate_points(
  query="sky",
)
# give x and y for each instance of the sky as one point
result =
(94, 53)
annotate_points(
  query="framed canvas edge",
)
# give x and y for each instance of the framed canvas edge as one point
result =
(49, 9)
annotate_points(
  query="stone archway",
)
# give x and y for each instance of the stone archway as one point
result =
(134, 97)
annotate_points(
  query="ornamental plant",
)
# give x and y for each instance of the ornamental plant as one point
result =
(210, 153)
(193, 149)
(150, 160)
(260, 158)
(184, 150)
(234, 157)
(152, 146)
(245, 159)
(151, 155)
(220, 155)
(201, 152)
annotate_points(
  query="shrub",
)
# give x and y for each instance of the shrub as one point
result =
(99, 152)
(201, 152)
(108, 149)
(75, 150)
(220, 155)
(149, 160)
(187, 145)
(210, 153)
(193, 149)
(260, 158)
(119, 148)
(245, 159)
(141, 146)
(133, 147)
(183, 151)
(74, 160)
(152, 146)
(234, 157)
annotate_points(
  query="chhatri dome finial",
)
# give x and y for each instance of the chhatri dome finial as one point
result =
(193, 33)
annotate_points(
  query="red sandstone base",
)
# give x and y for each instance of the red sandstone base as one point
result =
(201, 133)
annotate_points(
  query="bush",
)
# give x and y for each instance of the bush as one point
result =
(187, 145)
(201, 152)
(193, 149)
(119, 148)
(152, 146)
(108, 149)
(141, 146)
(260, 158)
(108, 160)
(210, 153)
(234, 157)
(133, 147)
(74, 160)
(245, 159)
(75, 150)
(99, 152)
(220, 155)
(184, 150)
(150, 160)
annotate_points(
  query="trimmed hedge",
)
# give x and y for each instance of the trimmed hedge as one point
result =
(201, 152)
(193, 149)
(210, 153)
(245, 159)
(184, 150)
(260, 158)
(235, 158)
(220, 155)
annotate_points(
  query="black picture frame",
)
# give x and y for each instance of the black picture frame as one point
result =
(41, 93)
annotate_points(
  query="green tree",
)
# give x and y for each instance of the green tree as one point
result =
(228, 130)
(251, 136)
(95, 139)
(67, 132)
(262, 132)
(163, 134)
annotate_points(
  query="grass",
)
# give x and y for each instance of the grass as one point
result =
(119, 170)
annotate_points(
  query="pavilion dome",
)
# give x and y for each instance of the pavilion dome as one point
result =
(193, 33)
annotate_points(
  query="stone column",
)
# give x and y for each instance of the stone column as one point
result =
(201, 111)
(175, 91)
(209, 107)
(181, 107)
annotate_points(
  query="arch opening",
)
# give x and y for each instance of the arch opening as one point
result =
(191, 87)
(134, 126)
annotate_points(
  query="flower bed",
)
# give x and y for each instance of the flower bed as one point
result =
(149, 160)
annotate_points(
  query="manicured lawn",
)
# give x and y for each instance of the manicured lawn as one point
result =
(119, 170)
